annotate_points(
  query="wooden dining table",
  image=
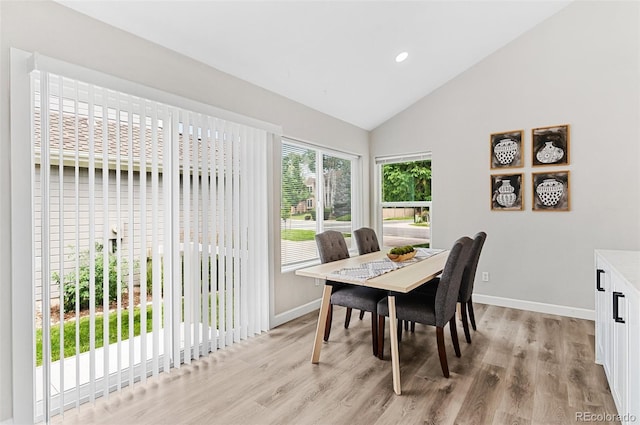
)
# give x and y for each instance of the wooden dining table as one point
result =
(401, 280)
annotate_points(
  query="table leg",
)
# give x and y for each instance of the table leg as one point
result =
(322, 321)
(393, 335)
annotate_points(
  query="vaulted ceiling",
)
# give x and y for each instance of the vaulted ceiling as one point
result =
(337, 57)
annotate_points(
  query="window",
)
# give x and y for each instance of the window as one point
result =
(317, 195)
(405, 200)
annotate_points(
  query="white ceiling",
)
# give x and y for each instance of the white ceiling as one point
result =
(337, 57)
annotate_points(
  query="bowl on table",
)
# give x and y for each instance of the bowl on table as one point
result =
(401, 257)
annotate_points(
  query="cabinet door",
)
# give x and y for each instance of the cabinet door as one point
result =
(633, 363)
(618, 337)
(603, 310)
(620, 360)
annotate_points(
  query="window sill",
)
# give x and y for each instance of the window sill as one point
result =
(293, 267)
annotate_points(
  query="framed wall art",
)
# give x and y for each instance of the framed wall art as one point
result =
(506, 192)
(550, 145)
(506, 149)
(550, 191)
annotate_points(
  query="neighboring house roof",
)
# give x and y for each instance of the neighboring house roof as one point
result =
(79, 139)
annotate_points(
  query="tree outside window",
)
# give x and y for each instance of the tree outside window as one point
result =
(406, 181)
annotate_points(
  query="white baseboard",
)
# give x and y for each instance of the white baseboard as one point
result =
(560, 310)
(7, 422)
(289, 315)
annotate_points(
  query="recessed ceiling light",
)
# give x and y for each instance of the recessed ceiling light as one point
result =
(402, 56)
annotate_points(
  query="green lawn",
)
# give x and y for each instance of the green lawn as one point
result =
(299, 216)
(70, 333)
(298, 235)
(399, 218)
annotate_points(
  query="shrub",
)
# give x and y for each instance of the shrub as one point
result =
(426, 218)
(346, 217)
(150, 275)
(84, 283)
(326, 215)
(307, 217)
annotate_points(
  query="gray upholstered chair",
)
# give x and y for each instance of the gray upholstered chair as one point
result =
(367, 242)
(466, 287)
(332, 247)
(435, 311)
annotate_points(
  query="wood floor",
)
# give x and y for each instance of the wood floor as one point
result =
(521, 368)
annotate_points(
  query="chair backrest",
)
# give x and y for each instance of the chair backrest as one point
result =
(469, 276)
(450, 280)
(331, 246)
(366, 240)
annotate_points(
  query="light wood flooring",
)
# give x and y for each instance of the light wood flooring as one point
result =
(521, 368)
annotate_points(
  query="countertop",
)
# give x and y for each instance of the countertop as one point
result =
(626, 263)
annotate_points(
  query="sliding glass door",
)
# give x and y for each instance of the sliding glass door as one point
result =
(149, 237)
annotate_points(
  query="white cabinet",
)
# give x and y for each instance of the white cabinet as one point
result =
(617, 289)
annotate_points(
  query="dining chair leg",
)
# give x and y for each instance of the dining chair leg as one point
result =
(472, 316)
(413, 327)
(381, 320)
(465, 322)
(347, 318)
(361, 314)
(327, 328)
(454, 335)
(399, 331)
(441, 351)
(406, 325)
(374, 333)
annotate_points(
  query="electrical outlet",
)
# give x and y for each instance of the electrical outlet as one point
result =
(485, 276)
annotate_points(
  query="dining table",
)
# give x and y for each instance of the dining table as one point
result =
(371, 270)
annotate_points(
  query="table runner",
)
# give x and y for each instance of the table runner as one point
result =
(372, 269)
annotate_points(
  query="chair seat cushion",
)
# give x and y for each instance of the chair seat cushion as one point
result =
(414, 306)
(358, 297)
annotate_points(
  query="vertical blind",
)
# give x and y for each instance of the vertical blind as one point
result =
(149, 237)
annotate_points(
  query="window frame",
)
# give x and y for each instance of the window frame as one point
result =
(378, 163)
(318, 194)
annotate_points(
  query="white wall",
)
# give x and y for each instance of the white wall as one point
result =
(580, 67)
(58, 32)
